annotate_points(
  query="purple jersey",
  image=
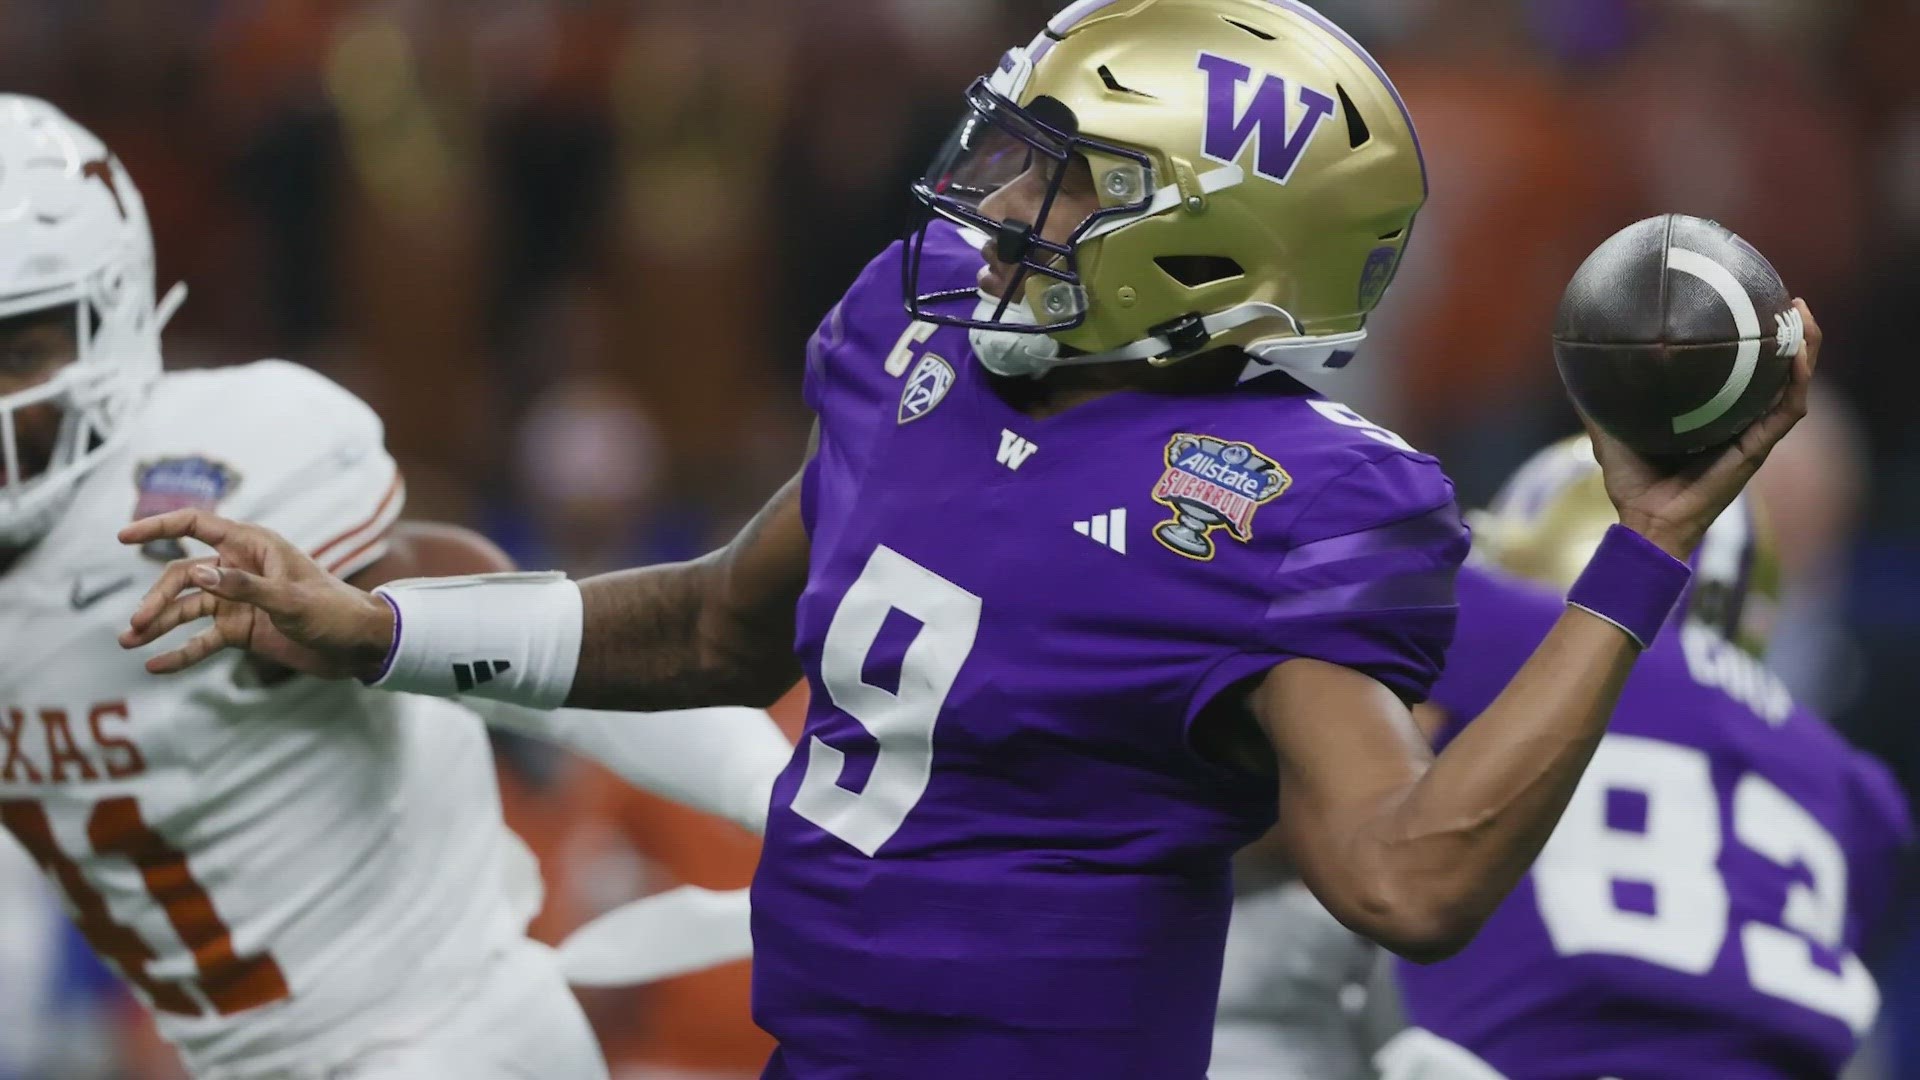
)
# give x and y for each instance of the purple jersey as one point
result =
(995, 853)
(1699, 906)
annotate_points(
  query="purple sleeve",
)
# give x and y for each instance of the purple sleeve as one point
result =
(1502, 621)
(1882, 836)
(829, 336)
(1365, 580)
(813, 390)
(844, 346)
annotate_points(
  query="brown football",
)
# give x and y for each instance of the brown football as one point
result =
(1675, 335)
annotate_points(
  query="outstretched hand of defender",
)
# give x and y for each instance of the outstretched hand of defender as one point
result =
(263, 595)
(1674, 509)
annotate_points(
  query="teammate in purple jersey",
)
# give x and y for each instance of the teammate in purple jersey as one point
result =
(1700, 905)
(1053, 568)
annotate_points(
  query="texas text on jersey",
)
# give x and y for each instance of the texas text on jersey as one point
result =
(254, 856)
(293, 874)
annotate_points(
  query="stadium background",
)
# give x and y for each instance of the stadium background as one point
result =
(572, 250)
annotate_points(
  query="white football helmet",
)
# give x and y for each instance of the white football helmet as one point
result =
(73, 233)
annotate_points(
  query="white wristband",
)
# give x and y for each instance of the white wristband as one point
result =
(510, 637)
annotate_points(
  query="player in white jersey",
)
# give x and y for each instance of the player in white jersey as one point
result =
(1300, 994)
(301, 878)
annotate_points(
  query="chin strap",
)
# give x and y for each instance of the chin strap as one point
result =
(1301, 352)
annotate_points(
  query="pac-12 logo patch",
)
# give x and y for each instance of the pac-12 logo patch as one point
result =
(1213, 484)
(180, 483)
(928, 385)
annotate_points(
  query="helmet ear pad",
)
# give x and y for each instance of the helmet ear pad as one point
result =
(1156, 271)
(1153, 272)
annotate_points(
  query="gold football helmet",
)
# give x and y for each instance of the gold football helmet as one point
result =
(1549, 518)
(1257, 175)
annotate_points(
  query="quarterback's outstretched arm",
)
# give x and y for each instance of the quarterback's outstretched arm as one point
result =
(720, 760)
(714, 631)
(1416, 851)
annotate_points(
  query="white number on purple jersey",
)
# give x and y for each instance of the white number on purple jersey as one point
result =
(1632, 870)
(900, 722)
(1780, 961)
(1346, 417)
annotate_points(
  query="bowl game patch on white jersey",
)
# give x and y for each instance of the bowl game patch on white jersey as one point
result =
(179, 483)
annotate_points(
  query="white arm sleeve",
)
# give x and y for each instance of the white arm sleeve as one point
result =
(719, 760)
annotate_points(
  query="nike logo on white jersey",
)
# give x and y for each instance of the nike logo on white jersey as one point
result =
(1014, 450)
(1109, 528)
(88, 592)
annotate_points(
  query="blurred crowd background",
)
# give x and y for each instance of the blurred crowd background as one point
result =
(572, 250)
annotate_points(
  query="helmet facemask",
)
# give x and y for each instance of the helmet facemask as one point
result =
(1184, 111)
(74, 239)
(94, 393)
(999, 143)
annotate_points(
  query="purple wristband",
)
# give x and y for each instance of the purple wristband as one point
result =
(1630, 583)
(393, 649)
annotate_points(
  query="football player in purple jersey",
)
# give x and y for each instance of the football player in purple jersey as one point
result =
(1699, 908)
(1070, 540)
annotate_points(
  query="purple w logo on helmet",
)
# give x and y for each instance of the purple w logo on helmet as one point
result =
(1228, 128)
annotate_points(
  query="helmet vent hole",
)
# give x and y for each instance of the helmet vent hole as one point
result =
(1193, 271)
(1113, 84)
(1255, 31)
(1358, 134)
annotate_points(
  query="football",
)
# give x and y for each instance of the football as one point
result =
(1675, 335)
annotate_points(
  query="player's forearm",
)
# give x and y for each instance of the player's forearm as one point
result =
(715, 631)
(666, 637)
(721, 760)
(659, 635)
(1459, 840)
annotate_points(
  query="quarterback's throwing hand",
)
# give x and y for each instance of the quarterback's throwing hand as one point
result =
(264, 595)
(1674, 509)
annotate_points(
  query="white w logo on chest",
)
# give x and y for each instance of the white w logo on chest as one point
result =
(1014, 450)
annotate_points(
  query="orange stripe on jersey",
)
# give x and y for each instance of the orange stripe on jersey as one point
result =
(380, 516)
(356, 560)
